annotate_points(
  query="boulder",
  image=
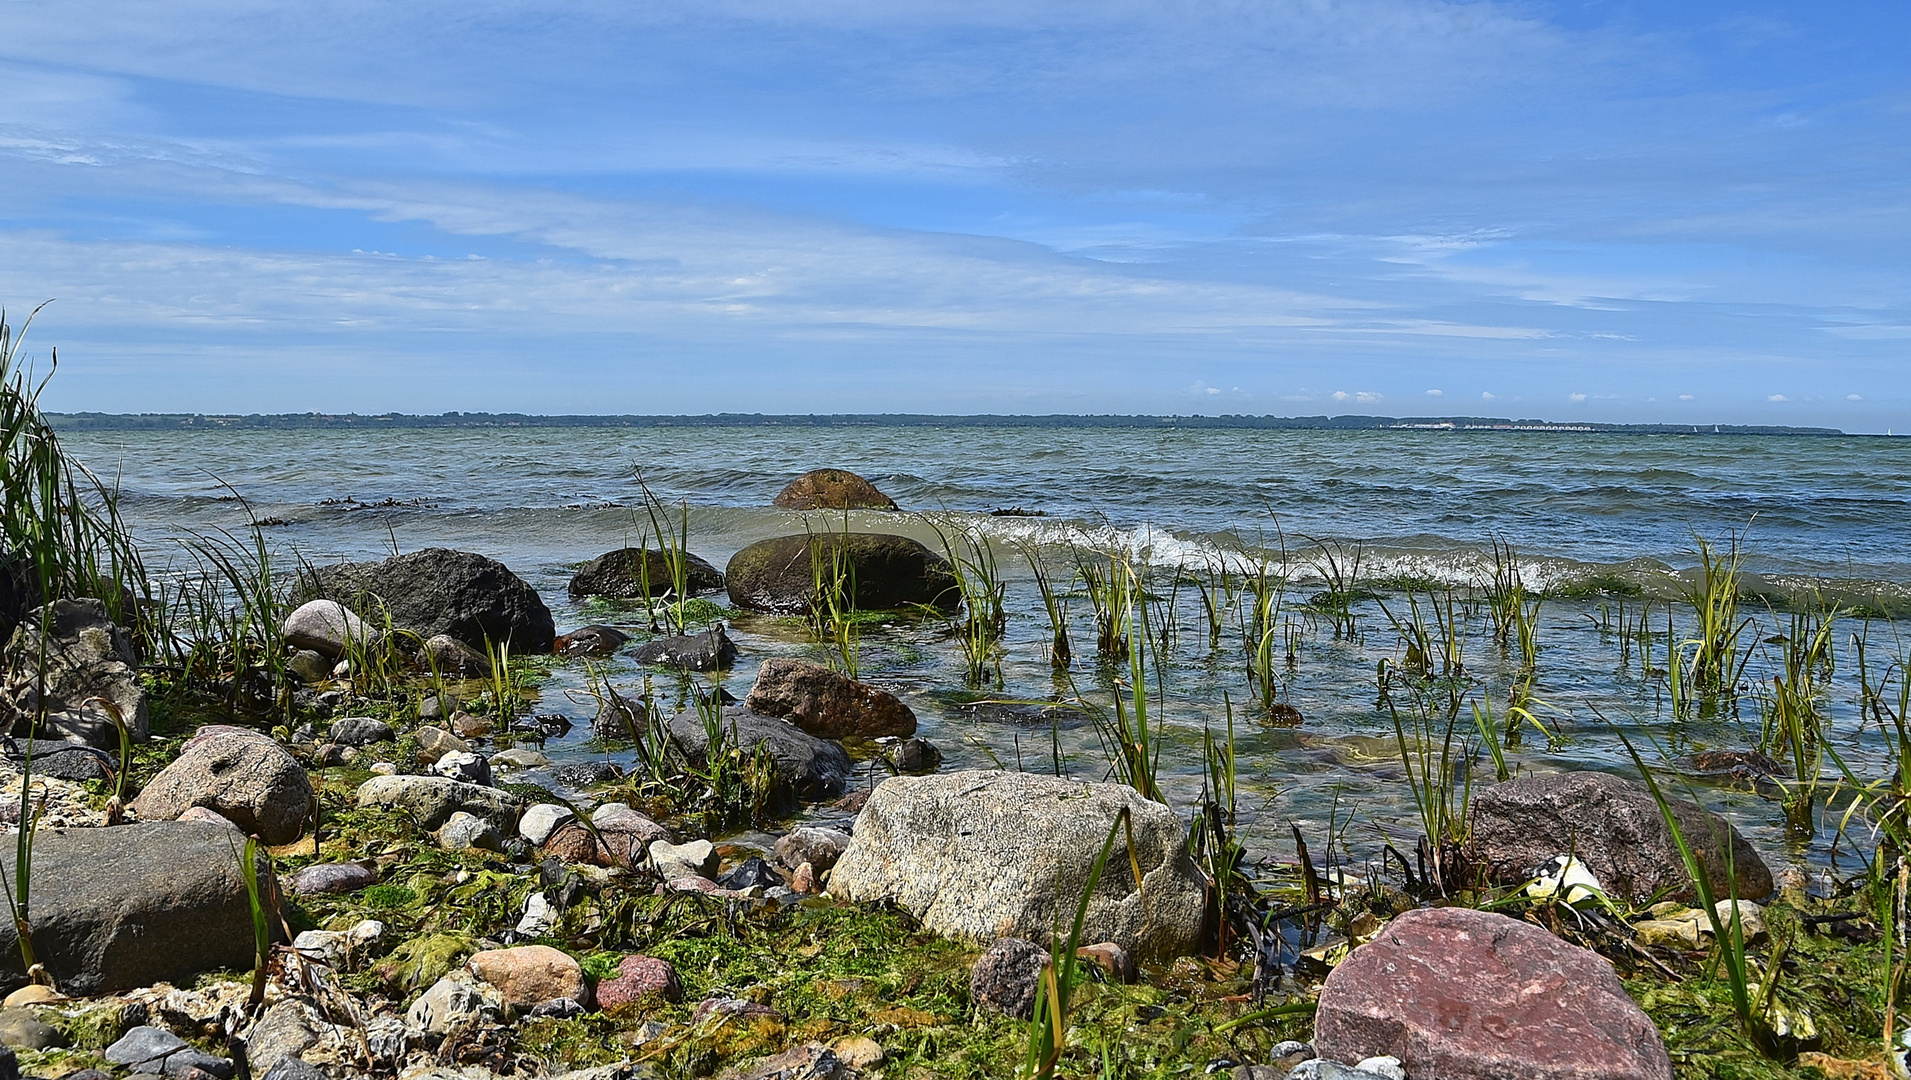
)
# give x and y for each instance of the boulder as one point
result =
(1613, 826)
(431, 800)
(20, 1028)
(519, 757)
(468, 832)
(463, 765)
(827, 704)
(777, 575)
(695, 858)
(988, 855)
(640, 979)
(620, 575)
(590, 641)
(242, 776)
(831, 489)
(114, 909)
(1473, 995)
(530, 974)
(87, 657)
(477, 600)
(1005, 977)
(815, 768)
(446, 655)
(708, 651)
(820, 848)
(328, 628)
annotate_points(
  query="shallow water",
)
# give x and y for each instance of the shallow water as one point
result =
(1821, 516)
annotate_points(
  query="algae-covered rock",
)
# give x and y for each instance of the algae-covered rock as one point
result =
(622, 575)
(815, 768)
(423, 961)
(987, 855)
(778, 575)
(831, 489)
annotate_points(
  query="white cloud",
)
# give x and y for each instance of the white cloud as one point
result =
(1436, 393)
(1777, 397)
(1854, 397)
(1362, 397)
(1577, 396)
(1685, 397)
(1486, 395)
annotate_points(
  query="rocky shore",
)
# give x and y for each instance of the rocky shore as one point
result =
(345, 877)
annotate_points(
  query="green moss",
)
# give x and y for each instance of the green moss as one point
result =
(387, 896)
(418, 963)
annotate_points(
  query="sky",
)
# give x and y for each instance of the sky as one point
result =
(1667, 211)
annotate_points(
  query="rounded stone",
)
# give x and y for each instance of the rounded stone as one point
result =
(640, 979)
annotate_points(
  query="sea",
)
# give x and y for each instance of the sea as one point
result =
(1607, 526)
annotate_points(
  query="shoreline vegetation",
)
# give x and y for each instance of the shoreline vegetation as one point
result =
(277, 802)
(93, 421)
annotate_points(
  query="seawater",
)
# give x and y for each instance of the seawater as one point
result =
(1606, 521)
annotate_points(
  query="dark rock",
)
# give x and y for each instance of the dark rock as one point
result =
(477, 600)
(1472, 995)
(917, 756)
(557, 1008)
(1613, 826)
(826, 704)
(79, 764)
(812, 1061)
(309, 666)
(321, 878)
(708, 651)
(465, 766)
(546, 725)
(620, 575)
(587, 774)
(1005, 978)
(591, 641)
(294, 1069)
(447, 655)
(240, 775)
(22, 1028)
(639, 979)
(832, 489)
(1736, 765)
(815, 768)
(432, 800)
(891, 572)
(119, 908)
(1112, 959)
(361, 731)
(751, 872)
(809, 844)
(87, 656)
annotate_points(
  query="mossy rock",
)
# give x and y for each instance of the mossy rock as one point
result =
(779, 575)
(832, 489)
(621, 575)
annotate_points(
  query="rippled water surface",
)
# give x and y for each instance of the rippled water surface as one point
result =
(1598, 518)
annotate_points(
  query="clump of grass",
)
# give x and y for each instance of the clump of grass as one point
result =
(983, 618)
(1055, 604)
(1339, 566)
(1110, 593)
(831, 614)
(1717, 658)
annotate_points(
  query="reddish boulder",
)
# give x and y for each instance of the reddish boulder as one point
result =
(826, 704)
(639, 979)
(1458, 994)
(832, 489)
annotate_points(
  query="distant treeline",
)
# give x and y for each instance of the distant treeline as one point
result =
(93, 421)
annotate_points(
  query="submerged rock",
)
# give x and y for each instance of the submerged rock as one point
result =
(620, 575)
(808, 844)
(708, 651)
(815, 768)
(476, 600)
(827, 704)
(831, 489)
(987, 855)
(778, 575)
(240, 775)
(87, 657)
(591, 641)
(1613, 826)
(114, 909)
(1473, 995)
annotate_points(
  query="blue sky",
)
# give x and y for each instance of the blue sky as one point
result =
(1655, 211)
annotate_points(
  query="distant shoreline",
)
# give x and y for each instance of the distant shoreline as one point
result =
(92, 421)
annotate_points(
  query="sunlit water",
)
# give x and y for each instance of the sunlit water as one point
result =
(1822, 517)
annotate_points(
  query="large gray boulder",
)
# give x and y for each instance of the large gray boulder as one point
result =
(1473, 995)
(114, 909)
(431, 800)
(988, 855)
(825, 703)
(1613, 826)
(621, 574)
(778, 575)
(476, 600)
(815, 768)
(87, 658)
(242, 776)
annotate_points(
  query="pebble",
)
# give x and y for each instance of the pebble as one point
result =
(529, 974)
(322, 878)
(463, 831)
(639, 978)
(361, 731)
(384, 768)
(436, 742)
(519, 757)
(540, 821)
(539, 916)
(698, 858)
